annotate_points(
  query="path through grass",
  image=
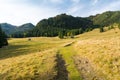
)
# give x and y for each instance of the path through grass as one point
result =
(68, 53)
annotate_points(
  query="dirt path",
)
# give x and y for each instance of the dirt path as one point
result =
(85, 68)
(62, 73)
(68, 52)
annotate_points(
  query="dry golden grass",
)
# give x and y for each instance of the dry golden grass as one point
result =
(103, 52)
(37, 66)
(30, 60)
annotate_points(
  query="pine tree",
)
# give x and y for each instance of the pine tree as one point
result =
(1, 37)
(101, 29)
(61, 35)
(119, 26)
(3, 40)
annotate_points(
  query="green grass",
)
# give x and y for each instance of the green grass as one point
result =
(68, 53)
(22, 46)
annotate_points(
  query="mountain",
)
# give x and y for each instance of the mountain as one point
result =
(52, 26)
(11, 29)
(106, 18)
(25, 27)
(8, 28)
(22, 30)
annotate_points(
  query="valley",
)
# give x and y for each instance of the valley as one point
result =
(89, 56)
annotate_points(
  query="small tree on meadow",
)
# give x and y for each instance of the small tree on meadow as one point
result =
(119, 26)
(101, 29)
(61, 35)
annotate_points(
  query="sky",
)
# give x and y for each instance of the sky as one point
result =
(18, 12)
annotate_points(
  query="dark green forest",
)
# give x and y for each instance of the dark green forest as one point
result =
(3, 38)
(63, 24)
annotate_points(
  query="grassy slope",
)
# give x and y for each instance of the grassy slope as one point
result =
(102, 52)
(72, 52)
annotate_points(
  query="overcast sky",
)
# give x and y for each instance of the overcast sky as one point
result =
(18, 12)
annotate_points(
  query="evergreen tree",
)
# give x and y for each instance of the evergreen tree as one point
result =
(3, 40)
(61, 35)
(101, 29)
(119, 26)
(72, 35)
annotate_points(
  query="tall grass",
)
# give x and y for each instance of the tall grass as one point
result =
(102, 51)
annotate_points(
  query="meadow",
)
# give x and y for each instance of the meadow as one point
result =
(89, 56)
(98, 55)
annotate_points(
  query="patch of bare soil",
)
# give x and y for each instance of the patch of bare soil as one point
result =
(86, 70)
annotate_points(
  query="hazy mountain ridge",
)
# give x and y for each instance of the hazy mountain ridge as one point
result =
(25, 27)
(10, 29)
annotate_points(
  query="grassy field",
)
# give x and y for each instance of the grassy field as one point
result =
(30, 60)
(22, 46)
(98, 55)
(89, 56)
(32, 66)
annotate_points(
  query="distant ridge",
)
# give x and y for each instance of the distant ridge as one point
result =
(106, 18)
(10, 29)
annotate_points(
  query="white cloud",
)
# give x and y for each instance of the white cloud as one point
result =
(18, 14)
(75, 7)
(57, 1)
(95, 1)
(22, 11)
(75, 1)
(109, 7)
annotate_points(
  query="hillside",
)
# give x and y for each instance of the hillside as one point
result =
(25, 27)
(11, 29)
(92, 55)
(22, 30)
(67, 23)
(106, 18)
(8, 28)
